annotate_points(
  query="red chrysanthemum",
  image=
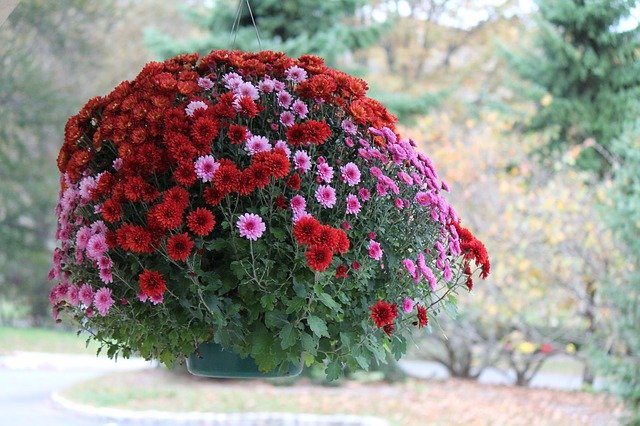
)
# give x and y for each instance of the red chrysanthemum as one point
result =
(296, 135)
(389, 328)
(185, 173)
(317, 132)
(203, 131)
(256, 176)
(248, 107)
(103, 186)
(281, 202)
(325, 236)
(294, 182)
(342, 241)
(177, 195)
(166, 215)
(237, 134)
(201, 221)
(227, 178)
(318, 258)
(179, 247)
(212, 196)
(423, 320)
(304, 230)
(342, 271)
(383, 313)
(111, 210)
(134, 238)
(152, 284)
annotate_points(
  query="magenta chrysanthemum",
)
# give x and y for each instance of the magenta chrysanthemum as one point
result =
(326, 196)
(103, 301)
(96, 247)
(325, 172)
(302, 161)
(256, 144)
(353, 205)
(251, 226)
(205, 167)
(85, 294)
(375, 251)
(296, 74)
(350, 173)
(300, 108)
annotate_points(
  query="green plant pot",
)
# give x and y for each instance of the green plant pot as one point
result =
(212, 360)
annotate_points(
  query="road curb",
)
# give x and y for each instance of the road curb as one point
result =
(218, 419)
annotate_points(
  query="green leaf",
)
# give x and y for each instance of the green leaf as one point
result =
(261, 349)
(333, 370)
(219, 244)
(289, 336)
(318, 326)
(362, 361)
(309, 343)
(278, 234)
(329, 302)
(296, 305)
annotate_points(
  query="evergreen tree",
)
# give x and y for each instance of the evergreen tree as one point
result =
(585, 75)
(296, 27)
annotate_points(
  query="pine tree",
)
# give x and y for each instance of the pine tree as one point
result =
(325, 28)
(585, 76)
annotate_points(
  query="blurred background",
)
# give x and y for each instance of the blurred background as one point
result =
(530, 112)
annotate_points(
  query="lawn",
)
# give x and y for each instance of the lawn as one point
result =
(58, 340)
(451, 402)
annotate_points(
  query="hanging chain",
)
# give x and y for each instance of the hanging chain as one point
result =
(236, 23)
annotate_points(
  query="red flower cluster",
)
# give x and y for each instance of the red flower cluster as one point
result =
(473, 249)
(383, 314)
(323, 240)
(152, 284)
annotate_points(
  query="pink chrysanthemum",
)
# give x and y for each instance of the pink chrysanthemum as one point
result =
(398, 203)
(284, 99)
(296, 74)
(298, 204)
(99, 227)
(326, 196)
(350, 173)
(247, 89)
(105, 262)
(87, 185)
(287, 118)
(375, 251)
(85, 294)
(325, 172)
(405, 178)
(353, 205)
(193, 106)
(266, 85)
(364, 194)
(407, 305)
(300, 108)
(349, 127)
(103, 301)
(205, 167)
(426, 272)
(82, 237)
(72, 295)
(423, 198)
(251, 226)
(117, 164)
(205, 83)
(106, 276)
(232, 80)
(96, 247)
(302, 161)
(257, 144)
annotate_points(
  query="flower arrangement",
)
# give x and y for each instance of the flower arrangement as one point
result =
(258, 201)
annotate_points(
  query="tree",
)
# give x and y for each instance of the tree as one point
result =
(296, 27)
(584, 72)
(40, 40)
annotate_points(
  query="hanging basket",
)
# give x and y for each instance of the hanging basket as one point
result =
(211, 360)
(258, 198)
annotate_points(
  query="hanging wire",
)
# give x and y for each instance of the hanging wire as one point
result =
(236, 23)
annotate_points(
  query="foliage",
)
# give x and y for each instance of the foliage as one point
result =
(195, 227)
(327, 28)
(584, 72)
(621, 361)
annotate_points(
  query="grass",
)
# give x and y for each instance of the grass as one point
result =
(413, 402)
(36, 339)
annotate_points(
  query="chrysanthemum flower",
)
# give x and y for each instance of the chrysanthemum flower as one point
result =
(152, 283)
(193, 106)
(318, 257)
(201, 221)
(305, 228)
(383, 313)
(256, 144)
(375, 251)
(423, 320)
(302, 161)
(326, 196)
(85, 294)
(300, 108)
(206, 167)
(103, 301)
(251, 226)
(179, 247)
(350, 173)
(353, 205)
(296, 74)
